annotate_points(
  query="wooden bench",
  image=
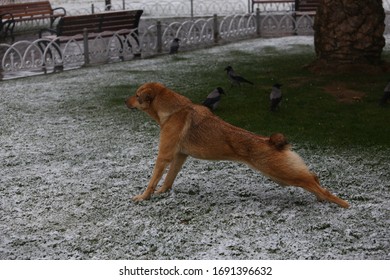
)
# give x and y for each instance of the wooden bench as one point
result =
(300, 6)
(11, 14)
(306, 6)
(106, 24)
(101, 24)
(254, 2)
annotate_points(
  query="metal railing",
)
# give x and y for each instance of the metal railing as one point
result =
(45, 56)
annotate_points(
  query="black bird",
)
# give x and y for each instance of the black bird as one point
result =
(275, 96)
(175, 45)
(213, 99)
(386, 95)
(235, 78)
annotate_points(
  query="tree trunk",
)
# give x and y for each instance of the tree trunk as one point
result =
(349, 32)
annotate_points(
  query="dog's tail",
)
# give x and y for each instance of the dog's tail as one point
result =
(278, 141)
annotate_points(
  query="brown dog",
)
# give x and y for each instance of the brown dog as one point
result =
(188, 129)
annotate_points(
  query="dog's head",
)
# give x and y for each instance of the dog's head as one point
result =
(157, 100)
(143, 97)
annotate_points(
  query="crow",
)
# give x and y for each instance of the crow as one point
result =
(275, 96)
(235, 78)
(386, 95)
(213, 99)
(174, 46)
(385, 98)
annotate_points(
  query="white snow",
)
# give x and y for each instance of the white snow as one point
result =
(70, 167)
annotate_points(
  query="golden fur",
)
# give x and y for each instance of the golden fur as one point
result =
(188, 129)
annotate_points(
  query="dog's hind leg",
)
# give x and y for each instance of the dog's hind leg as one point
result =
(288, 169)
(174, 169)
(308, 181)
(322, 194)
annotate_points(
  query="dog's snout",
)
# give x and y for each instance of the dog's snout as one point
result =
(129, 103)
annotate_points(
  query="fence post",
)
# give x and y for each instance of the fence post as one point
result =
(124, 5)
(215, 29)
(107, 5)
(159, 37)
(258, 22)
(192, 9)
(92, 8)
(86, 47)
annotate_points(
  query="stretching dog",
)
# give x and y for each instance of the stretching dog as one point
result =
(188, 129)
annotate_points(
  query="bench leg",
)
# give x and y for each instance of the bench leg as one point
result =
(125, 39)
(133, 35)
(121, 49)
(45, 45)
(8, 27)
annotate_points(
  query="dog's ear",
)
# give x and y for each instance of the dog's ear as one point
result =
(145, 96)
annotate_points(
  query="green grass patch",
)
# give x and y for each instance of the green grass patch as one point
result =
(309, 111)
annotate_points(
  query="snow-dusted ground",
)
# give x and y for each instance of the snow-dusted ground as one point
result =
(69, 167)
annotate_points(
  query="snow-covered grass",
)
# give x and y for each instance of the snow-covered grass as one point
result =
(71, 163)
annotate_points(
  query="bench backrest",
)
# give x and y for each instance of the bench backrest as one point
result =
(300, 5)
(306, 5)
(27, 10)
(271, 1)
(96, 23)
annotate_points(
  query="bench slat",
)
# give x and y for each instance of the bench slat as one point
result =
(271, 1)
(15, 13)
(300, 5)
(101, 24)
(29, 11)
(97, 23)
(307, 5)
(74, 25)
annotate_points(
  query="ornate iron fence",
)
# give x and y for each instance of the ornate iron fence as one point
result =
(164, 8)
(43, 55)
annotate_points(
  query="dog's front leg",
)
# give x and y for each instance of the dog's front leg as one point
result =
(175, 167)
(158, 171)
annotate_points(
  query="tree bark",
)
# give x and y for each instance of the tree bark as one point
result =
(349, 32)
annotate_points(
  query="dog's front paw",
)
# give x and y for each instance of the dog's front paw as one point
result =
(161, 190)
(140, 197)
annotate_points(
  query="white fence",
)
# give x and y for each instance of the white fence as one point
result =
(43, 55)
